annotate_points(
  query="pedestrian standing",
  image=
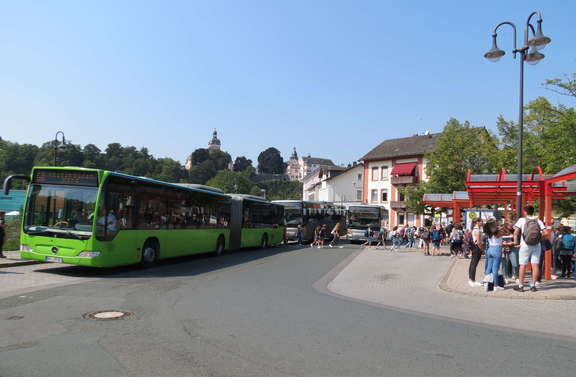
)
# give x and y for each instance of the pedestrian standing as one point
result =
(477, 248)
(381, 237)
(2, 237)
(335, 234)
(527, 235)
(299, 234)
(411, 236)
(436, 240)
(494, 253)
(425, 237)
(510, 266)
(456, 239)
(566, 251)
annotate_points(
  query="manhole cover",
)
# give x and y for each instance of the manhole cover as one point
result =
(105, 315)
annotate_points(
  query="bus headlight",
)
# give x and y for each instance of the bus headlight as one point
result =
(89, 254)
(25, 247)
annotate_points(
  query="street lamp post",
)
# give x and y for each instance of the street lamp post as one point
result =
(530, 54)
(56, 142)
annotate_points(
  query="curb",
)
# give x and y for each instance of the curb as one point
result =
(15, 263)
(443, 285)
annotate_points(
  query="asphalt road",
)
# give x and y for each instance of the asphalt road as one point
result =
(251, 313)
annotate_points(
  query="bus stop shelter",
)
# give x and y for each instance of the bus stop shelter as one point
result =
(500, 189)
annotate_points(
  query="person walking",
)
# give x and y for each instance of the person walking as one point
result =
(335, 234)
(381, 238)
(527, 235)
(369, 234)
(316, 236)
(323, 235)
(493, 254)
(2, 237)
(411, 236)
(477, 248)
(566, 251)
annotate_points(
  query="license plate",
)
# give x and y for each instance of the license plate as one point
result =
(54, 259)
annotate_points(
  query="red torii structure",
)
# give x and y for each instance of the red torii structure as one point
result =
(500, 189)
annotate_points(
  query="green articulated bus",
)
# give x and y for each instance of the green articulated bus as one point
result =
(100, 218)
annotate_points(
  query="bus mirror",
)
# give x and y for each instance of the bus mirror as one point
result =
(8, 182)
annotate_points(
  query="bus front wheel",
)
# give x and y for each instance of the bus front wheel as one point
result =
(220, 245)
(150, 253)
(264, 243)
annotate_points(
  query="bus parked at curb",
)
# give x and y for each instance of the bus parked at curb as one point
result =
(309, 215)
(362, 216)
(100, 218)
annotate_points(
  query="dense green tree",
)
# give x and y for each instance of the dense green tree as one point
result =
(221, 159)
(282, 189)
(202, 173)
(242, 163)
(270, 162)
(232, 182)
(199, 156)
(460, 147)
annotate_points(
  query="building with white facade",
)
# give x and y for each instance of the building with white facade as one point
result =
(394, 164)
(312, 182)
(345, 187)
(298, 168)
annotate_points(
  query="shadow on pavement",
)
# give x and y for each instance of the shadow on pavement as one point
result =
(181, 266)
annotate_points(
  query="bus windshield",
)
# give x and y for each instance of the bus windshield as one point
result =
(293, 213)
(364, 217)
(66, 211)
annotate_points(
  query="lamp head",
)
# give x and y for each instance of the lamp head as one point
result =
(539, 41)
(495, 53)
(533, 56)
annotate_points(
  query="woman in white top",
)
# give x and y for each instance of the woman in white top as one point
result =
(494, 252)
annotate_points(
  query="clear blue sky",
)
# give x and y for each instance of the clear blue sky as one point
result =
(333, 78)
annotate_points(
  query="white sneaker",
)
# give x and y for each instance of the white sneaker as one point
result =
(538, 285)
(474, 283)
(330, 245)
(498, 288)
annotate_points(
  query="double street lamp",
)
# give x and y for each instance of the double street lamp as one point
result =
(57, 144)
(529, 53)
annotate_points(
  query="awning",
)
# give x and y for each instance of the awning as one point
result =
(404, 169)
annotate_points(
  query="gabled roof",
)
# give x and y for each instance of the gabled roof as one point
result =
(406, 146)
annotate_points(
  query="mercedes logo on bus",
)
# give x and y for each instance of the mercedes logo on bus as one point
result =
(54, 250)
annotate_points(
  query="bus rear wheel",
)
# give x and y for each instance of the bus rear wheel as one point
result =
(150, 253)
(220, 245)
(264, 243)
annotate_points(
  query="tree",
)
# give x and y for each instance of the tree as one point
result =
(413, 195)
(270, 162)
(241, 163)
(232, 182)
(460, 147)
(202, 173)
(282, 189)
(199, 156)
(221, 159)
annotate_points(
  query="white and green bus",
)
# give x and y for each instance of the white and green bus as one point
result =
(100, 218)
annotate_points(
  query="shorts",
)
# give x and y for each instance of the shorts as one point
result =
(529, 254)
(436, 243)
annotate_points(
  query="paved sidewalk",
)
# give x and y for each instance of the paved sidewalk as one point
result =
(409, 281)
(456, 281)
(13, 259)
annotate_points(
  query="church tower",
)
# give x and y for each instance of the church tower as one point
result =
(214, 144)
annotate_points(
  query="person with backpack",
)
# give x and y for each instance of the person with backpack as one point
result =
(456, 239)
(510, 266)
(425, 237)
(436, 239)
(566, 251)
(411, 236)
(477, 246)
(527, 235)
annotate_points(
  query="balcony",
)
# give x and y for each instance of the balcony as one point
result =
(398, 204)
(404, 179)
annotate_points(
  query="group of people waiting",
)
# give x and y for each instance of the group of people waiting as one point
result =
(510, 247)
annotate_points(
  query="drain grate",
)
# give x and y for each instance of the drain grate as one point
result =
(107, 315)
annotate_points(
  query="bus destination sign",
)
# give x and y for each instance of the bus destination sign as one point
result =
(66, 177)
